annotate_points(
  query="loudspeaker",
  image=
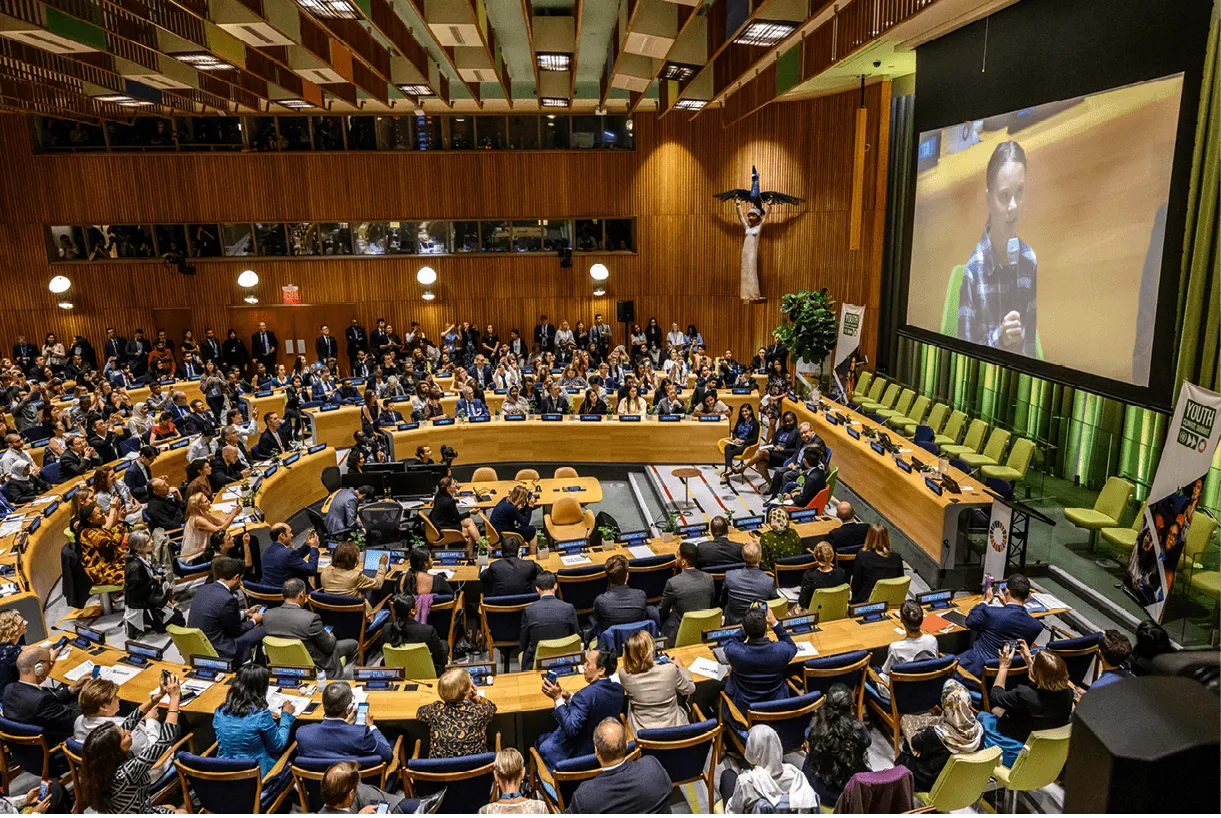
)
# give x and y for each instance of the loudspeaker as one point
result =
(626, 311)
(1144, 745)
(565, 258)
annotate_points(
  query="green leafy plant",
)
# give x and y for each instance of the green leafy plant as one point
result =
(542, 540)
(481, 546)
(357, 536)
(608, 534)
(810, 329)
(671, 524)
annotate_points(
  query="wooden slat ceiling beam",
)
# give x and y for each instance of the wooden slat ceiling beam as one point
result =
(471, 88)
(387, 22)
(487, 37)
(686, 15)
(578, 11)
(527, 13)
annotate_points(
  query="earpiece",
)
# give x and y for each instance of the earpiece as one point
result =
(39, 669)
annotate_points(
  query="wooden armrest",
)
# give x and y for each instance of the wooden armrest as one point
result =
(795, 688)
(966, 674)
(498, 741)
(876, 677)
(168, 755)
(733, 709)
(382, 603)
(1059, 632)
(280, 765)
(212, 749)
(393, 767)
(699, 715)
(540, 768)
(416, 753)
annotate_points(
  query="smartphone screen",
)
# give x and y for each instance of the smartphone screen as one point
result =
(383, 808)
(165, 677)
(42, 789)
(63, 640)
(96, 673)
(262, 610)
(329, 628)
(361, 710)
(551, 676)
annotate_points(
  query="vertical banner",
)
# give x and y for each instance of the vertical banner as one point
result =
(1186, 457)
(847, 350)
(1000, 529)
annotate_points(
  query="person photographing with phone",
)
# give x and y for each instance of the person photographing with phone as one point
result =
(1045, 704)
(994, 625)
(997, 301)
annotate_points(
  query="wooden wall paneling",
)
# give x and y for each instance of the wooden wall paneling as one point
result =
(688, 243)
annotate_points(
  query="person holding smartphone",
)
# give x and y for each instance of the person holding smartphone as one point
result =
(994, 626)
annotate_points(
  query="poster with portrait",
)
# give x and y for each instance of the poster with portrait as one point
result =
(848, 357)
(1177, 484)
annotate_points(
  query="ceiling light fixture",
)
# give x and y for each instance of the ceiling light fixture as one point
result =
(428, 296)
(599, 292)
(554, 61)
(426, 276)
(203, 61)
(416, 90)
(330, 9)
(295, 103)
(248, 279)
(555, 102)
(65, 305)
(678, 71)
(60, 284)
(598, 272)
(766, 33)
(124, 100)
(690, 104)
(250, 299)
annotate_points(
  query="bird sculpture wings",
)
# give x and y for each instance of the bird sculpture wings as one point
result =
(756, 197)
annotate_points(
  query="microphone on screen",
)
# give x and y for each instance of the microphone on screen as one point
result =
(1014, 247)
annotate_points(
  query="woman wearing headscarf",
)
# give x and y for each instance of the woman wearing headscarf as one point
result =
(931, 740)
(141, 421)
(769, 779)
(24, 484)
(780, 540)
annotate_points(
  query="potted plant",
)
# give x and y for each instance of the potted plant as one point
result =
(670, 527)
(544, 545)
(357, 536)
(607, 533)
(810, 329)
(481, 550)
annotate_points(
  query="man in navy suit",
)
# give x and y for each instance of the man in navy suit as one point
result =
(281, 561)
(548, 618)
(994, 626)
(325, 345)
(215, 612)
(115, 346)
(209, 347)
(745, 586)
(28, 702)
(339, 734)
(263, 346)
(620, 604)
(577, 714)
(544, 335)
(850, 536)
(138, 474)
(481, 372)
(323, 388)
(758, 666)
(622, 787)
(277, 437)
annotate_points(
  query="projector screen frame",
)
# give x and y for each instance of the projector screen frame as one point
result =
(1055, 50)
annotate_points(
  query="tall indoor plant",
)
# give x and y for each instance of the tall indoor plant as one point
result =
(810, 329)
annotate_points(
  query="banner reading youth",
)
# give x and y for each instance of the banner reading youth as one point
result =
(1186, 457)
(847, 350)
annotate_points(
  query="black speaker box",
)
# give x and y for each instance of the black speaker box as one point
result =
(1147, 745)
(626, 311)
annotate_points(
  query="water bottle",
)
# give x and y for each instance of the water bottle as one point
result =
(321, 680)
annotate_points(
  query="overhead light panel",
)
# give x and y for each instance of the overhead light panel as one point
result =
(555, 102)
(295, 103)
(554, 61)
(416, 90)
(203, 61)
(679, 71)
(124, 100)
(331, 9)
(766, 32)
(690, 104)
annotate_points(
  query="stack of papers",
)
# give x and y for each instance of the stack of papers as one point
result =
(11, 526)
(441, 572)
(276, 699)
(575, 559)
(224, 508)
(640, 552)
(708, 668)
(8, 589)
(805, 650)
(791, 594)
(1047, 600)
(119, 674)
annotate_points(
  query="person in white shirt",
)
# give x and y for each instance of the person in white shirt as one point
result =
(914, 646)
(676, 338)
(16, 451)
(675, 367)
(202, 447)
(99, 702)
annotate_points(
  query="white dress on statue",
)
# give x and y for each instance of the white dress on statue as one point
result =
(750, 261)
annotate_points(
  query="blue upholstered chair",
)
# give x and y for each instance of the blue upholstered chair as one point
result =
(348, 618)
(308, 772)
(467, 780)
(789, 570)
(442, 615)
(717, 572)
(500, 617)
(27, 749)
(848, 669)
(559, 785)
(50, 473)
(915, 687)
(1078, 653)
(649, 574)
(789, 717)
(688, 753)
(616, 636)
(229, 785)
(269, 595)
(580, 586)
(163, 789)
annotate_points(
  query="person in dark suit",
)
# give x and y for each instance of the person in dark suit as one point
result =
(577, 714)
(276, 439)
(209, 347)
(358, 340)
(554, 402)
(24, 353)
(325, 346)
(139, 473)
(777, 351)
(620, 604)
(114, 348)
(874, 561)
(199, 420)
(165, 507)
(510, 575)
(403, 629)
(517, 345)
(342, 514)
(815, 480)
(77, 458)
(744, 586)
(281, 560)
(294, 620)
(28, 702)
(339, 735)
(720, 550)
(688, 590)
(226, 468)
(792, 468)
(137, 353)
(994, 626)
(850, 536)
(757, 665)
(622, 787)
(544, 335)
(215, 611)
(480, 372)
(548, 618)
(105, 440)
(263, 347)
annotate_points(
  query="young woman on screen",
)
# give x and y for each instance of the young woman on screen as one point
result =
(997, 303)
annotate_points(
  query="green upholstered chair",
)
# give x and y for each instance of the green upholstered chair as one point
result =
(831, 603)
(1199, 535)
(992, 453)
(547, 648)
(1038, 764)
(191, 642)
(891, 591)
(970, 444)
(962, 781)
(1124, 538)
(832, 477)
(875, 391)
(414, 659)
(281, 651)
(913, 415)
(1016, 464)
(902, 406)
(779, 606)
(862, 386)
(952, 430)
(1107, 510)
(935, 420)
(886, 402)
(693, 625)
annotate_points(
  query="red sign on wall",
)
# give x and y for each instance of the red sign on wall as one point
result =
(290, 294)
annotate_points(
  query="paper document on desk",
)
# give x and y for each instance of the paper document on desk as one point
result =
(8, 589)
(791, 594)
(441, 572)
(224, 508)
(640, 551)
(42, 501)
(11, 526)
(575, 559)
(805, 650)
(231, 493)
(1047, 600)
(119, 674)
(708, 668)
(276, 699)
(468, 502)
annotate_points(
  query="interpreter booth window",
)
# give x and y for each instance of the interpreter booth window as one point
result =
(496, 237)
(556, 234)
(294, 133)
(237, 239)
(523, 133)
(328, 133)
(401, 238)
(270, 239)
(65, 243)
(619, 235)
(142, 132)
(116, 241)
(432, 238)
(586, 132)
(461, 133)
(335, 238)
(62, 135)
(171, 240)
(204, 240)
(395, 132)
(428, 133)
(371, 238)
(362, 133)
(555, 132)
(490, 132)
(528, 236)
(263, 134)
(589, 235)
(203, 133)
(617, 132)
(466, 237)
